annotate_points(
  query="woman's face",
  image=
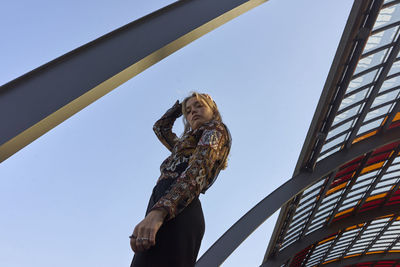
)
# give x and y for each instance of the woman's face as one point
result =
(197, 112)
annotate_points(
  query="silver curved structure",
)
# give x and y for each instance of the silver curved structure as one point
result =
(36, 102)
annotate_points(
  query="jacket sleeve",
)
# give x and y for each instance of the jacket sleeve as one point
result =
(199, 173)
(163, 127)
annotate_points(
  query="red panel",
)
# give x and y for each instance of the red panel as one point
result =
(379, 158)
(374, 202)
(352, 162)
(395, 198)
(368, 263)
(371, 205)
(341, 180)
(395, 202)
(394, 125)
(347, 169)
(341, 217)
(375, 264)
(386, 148)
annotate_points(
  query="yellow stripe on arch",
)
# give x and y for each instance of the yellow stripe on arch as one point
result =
(344, 212)
(326, 240)
(365, 136)
(397, 117)
(376, 197)
(336, 188)
(373, 167)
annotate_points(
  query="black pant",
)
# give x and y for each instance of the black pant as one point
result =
(178, 240)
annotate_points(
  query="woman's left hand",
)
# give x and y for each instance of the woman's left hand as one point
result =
(144, 235)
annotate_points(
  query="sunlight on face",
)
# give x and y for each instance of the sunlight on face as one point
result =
(197, 112)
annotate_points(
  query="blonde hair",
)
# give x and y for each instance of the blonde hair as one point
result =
(207, 100)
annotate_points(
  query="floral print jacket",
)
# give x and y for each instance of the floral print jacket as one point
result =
(195, 160)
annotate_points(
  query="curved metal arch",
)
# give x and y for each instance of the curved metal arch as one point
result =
(238, 232)
(323, 232)
(71, 82)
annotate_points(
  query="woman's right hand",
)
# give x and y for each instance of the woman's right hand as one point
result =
(144, 235)
(177, 109)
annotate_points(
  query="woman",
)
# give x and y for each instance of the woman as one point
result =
(171, 233)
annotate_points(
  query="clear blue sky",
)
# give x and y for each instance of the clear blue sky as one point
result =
(73, 196)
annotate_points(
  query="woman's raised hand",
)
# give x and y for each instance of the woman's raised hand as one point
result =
(177, 107)
(144, 234)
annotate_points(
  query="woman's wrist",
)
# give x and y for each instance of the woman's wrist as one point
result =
(159, 213)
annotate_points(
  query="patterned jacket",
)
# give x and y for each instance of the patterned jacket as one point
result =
(195, 160)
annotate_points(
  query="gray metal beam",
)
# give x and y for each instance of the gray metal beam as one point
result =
(323, 232)
(36, 102)
(235, 235)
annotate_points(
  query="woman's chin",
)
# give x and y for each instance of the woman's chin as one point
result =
(195, 125)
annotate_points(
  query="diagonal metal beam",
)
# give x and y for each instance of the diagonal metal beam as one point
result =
(235, 235)
(38, 101)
